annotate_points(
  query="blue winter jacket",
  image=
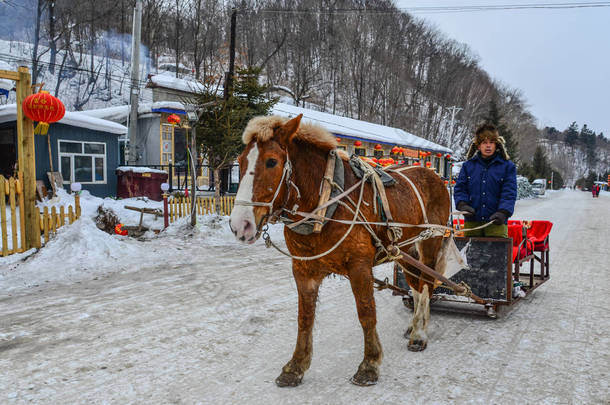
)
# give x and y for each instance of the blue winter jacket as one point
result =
(487, 187)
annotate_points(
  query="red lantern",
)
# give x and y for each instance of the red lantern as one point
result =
(428, 164)
(338, 139)
(395, 149)
(428, 153)
(357, 143)
(439, 154)
(173, 119)
(44, 108)
(452, 182)
(446, 182)
(448, 156)
(416, 163)
(378, 147)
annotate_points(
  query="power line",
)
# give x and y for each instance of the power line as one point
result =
(445, 9)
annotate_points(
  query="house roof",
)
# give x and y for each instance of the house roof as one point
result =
(9, 113)
(169, 81)
(121, 112)
(361, 130)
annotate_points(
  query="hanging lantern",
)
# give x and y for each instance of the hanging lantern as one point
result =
(439, 154)
(453, 182)
(357, 143)
(43, 108)
(416, 163)
(428, 153)
(338, 139)
(378, 147)
(395, 150)
(448, 156)
(428, 164)
(446, 182)
(173, 119)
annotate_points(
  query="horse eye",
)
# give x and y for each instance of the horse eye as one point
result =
(270, 163)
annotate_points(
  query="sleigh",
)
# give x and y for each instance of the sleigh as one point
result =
(501, 271)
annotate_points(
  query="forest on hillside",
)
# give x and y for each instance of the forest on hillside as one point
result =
(362, 59)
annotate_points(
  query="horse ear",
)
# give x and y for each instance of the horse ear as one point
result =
(288, 130)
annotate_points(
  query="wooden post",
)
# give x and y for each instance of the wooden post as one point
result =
(62, 216)
(3, 192)
(21, 205)
(77, 204)
(45, 222)
(12, 201)
(27, 161)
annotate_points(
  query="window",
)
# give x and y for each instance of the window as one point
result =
(84, 162)
(378, 154)
(360, 151)
(167, 144)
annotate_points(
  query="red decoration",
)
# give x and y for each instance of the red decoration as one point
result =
(416, 163)
(338, 139)
(173, 119)
(448, 156)
(375, 160)
(378, 147)
(428, 164)
(119, 230)
(439, 154)
(44, 108)
(357, 143)
(446, 182)
(395, 150)
(452, 182)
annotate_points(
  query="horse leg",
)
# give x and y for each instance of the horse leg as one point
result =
(307, 286)
(362, 288)
(422, 290)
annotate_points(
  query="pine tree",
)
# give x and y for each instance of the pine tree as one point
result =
(540, 164)
(222, 121)
(571, 134)
(495, 118)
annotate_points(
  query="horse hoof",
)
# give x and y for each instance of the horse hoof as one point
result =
(417, 345)
(288, 379)
(365, 378)
(408, 332)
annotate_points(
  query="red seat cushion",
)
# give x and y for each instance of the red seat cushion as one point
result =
(538, 234)
(516, 233)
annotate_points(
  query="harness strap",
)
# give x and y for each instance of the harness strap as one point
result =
(421, 203)
(326, 188)
(287, 170)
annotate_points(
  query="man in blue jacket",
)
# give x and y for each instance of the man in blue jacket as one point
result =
(487, 185)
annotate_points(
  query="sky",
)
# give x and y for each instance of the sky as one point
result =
(558, 58)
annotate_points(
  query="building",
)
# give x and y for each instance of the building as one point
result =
(83, 149)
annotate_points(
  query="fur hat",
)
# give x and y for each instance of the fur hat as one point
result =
(484, 132)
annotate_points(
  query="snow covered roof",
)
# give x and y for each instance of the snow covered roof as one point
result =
(169, 81)
(356, 129)
(76, 119)
(121, 112)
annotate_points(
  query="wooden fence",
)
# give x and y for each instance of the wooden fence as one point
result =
(181, 207)
(49, 220)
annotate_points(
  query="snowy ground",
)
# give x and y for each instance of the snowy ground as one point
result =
(199, 318)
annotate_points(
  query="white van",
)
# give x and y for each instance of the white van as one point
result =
(539, 186)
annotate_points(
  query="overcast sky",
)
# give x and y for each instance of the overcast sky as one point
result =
(560, 59)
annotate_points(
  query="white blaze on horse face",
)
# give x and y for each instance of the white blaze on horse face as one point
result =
(242, 221)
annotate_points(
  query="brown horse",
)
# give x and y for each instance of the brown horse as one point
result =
(267, 187)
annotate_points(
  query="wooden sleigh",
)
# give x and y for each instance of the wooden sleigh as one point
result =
(501, 271)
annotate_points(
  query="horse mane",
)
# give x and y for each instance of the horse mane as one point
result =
(261, 128)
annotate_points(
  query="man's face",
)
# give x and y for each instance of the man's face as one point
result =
(487, 148)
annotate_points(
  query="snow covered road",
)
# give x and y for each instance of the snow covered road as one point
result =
(213, 323)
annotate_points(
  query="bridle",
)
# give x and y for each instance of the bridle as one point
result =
(286, 173)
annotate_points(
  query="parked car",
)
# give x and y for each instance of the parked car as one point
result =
(539, 186)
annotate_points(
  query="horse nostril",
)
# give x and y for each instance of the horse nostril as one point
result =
(243, 238)
(248, 225)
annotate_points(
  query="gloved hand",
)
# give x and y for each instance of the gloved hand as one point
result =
(498, 218)
(462, 206)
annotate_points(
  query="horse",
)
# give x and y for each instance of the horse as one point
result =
(282, 166)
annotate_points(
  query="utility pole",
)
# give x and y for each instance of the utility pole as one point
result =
(132, 155)
(454, 110)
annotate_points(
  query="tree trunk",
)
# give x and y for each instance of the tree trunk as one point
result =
(217, 185)
(36, 41)
(52, 39)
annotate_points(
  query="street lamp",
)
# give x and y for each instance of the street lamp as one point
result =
(164, 188)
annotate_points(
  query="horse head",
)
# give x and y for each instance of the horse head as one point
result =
(264, 170)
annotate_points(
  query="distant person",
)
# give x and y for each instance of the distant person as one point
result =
(594, 191)
(487, 185)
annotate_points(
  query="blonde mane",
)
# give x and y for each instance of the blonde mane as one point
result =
(261, 128)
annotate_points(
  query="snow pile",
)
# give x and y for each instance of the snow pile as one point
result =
(139, 169)
(82, 251)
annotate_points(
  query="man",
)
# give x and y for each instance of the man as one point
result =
(487, 185)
